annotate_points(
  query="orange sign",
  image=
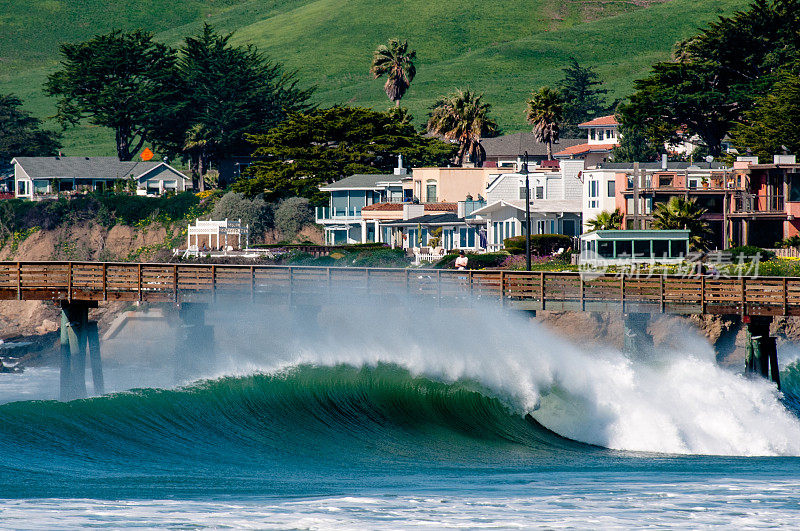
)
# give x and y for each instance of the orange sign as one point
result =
(146, 154)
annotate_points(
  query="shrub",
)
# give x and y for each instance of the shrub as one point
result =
(381, 258)
(292, 215)
(475, 261)
(541, 244)
(255, 212)
(749, 251)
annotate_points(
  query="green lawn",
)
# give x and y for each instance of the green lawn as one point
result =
(503, 48)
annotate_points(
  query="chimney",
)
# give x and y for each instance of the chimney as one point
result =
(400, 170)
(784, 159)
(412, 211)
(663, 161)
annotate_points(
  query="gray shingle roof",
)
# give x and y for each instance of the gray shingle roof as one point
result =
(362, 181)
(515, 144)
(83, 167)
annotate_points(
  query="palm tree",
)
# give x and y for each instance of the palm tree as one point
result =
(462, 117)
(545, 110)
(679, 213)
(198, 145)
(606, 220)
(395, 61)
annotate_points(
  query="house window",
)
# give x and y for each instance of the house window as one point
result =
(170, 186)
(624, 248)
(569, 227)
(22, 188)
(339, 237)
(611, 191)
(660, 248)
(592, 134)
(593, 187)
(605, 249)
(413, 236)
(430, 189)
(339, 203)
(540, 192)
(41, 186)
(357, 201)
(522, 193)
(599, 134)
(677, 248)
(641, 248)
(152, 188)
(467, 237)
(794, 187)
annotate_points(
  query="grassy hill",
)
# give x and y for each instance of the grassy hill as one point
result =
(504, 48)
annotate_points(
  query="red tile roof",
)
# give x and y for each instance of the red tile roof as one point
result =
(602, 120)
(441, 207)
(586, 148)
(429, 207)
(383, 207)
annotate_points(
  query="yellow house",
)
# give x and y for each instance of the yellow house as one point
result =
(435, 185)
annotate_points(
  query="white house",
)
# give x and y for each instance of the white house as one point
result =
(599, 192)
(217, 235)
(555, 203)
(44, 177)
(602, 136)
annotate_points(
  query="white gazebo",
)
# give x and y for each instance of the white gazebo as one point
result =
(213, 235)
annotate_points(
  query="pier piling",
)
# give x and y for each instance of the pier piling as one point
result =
(194, 351)
(94, 357)
(76, 332)
(637, 341)
(761, 352)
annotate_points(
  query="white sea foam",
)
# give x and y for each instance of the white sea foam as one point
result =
(734, 504)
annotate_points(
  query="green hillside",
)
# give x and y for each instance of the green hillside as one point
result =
(503, 48)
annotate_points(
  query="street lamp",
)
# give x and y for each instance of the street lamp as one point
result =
(524, 171)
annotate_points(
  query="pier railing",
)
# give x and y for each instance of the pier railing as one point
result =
(95, 281)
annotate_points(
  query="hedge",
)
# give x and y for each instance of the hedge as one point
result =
(541, 244)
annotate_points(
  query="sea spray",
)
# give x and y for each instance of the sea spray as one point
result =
(678, 401)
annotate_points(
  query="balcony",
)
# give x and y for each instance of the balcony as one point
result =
(324, 214)
(758, 204)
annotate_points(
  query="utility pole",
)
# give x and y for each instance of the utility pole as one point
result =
(635, 195)
(524, 170)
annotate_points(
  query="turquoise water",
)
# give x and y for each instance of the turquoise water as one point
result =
(414, 439)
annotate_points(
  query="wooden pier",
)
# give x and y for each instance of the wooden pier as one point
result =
(179, 283)
(78, 286)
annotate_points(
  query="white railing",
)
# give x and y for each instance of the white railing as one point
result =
(788, 252)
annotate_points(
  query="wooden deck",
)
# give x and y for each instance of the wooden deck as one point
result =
(95, 281)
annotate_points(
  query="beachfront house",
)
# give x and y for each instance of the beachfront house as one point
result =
(342, 219)
(555, 203)
(602, 136)
(504, 151)
(38, 178)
